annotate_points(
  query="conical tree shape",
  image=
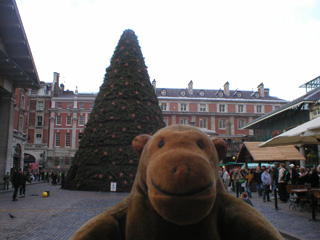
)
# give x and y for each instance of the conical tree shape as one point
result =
(125, 107)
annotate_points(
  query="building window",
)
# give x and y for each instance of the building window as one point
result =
(241, 123)
(40, 105)
(68, 140)
(38, 138)
(22, 104)
(222, 124)
(57, 139)
(259, 109)
(201, 93)
(182, 93)
(21, 124)
(276, 107)
(183, 120)
(68, 120)
(222, 108)
(59, 105)
(39, 121)
(165, 119)
(81, 121)
(203, 123)
(81, 105)
(70, 104)
(203, 107)
(240, 108)
(163, 92)
(58, 120)
(34, 91)
(163, 106)
(183, 107)
(91, 105)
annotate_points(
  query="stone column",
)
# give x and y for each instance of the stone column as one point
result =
(6, 134)
(302, 151)
(51, 134)
(74, 131)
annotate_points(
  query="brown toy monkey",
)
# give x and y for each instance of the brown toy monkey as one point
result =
(178, 194)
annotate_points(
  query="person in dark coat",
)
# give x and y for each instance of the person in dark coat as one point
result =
(314, 178)
(16, 178)
(23, 180)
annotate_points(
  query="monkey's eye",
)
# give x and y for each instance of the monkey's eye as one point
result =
(200, 144)
(161, 143)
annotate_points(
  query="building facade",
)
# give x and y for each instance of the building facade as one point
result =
(57, 117)
(18, 73)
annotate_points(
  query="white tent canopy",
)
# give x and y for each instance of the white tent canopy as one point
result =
(307, 133)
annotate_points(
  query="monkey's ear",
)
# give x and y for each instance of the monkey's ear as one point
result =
(139, 142)
(221, 147)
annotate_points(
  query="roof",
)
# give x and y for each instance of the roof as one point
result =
(268, 154)
(214, 93)
(16, 61)
(309, 97)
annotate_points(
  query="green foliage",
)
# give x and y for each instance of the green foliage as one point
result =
(125, 107)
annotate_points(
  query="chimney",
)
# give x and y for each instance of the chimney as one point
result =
(62, 87)
(56, 84)
(154, 83)
(266, 92)
(261, 90)
(226, 89)
(190, 87)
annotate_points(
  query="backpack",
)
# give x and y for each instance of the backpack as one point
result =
(286, 176)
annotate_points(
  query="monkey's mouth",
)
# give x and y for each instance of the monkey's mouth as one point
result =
(173, 194)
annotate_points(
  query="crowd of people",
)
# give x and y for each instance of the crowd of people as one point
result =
(19, 178)
(267, 178)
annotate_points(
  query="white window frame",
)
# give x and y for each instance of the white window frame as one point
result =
(68, 139)
(165, 119)
(163, 106)
(184, 120)
(68, 120)
(69, 105)
(23, 102)
(241, 123)
(81, 105)
(21, 123)
(222, 123)
(259, 108)
(203, 123)
(58, 139)
(183, 107)
(37, 123)
(222, 108)
(40, 105)
(239, 108)
(81, 121)
(58, 120)
(38, 140)
(202, 107)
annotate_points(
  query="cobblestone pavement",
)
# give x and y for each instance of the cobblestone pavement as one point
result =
(63, 212)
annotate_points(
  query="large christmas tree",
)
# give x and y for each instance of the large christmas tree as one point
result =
(125, 107)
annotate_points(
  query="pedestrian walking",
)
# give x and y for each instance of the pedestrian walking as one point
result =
(266, 181)
(282, 184)
(15, 183)
(257, 180)
(23, 181)
(6, 181)
(225, 178)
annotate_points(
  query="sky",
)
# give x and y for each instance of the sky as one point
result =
(245, 43)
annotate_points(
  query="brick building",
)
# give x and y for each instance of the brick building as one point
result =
(58, 116)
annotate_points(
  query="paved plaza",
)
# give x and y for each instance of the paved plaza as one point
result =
(63, 212)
